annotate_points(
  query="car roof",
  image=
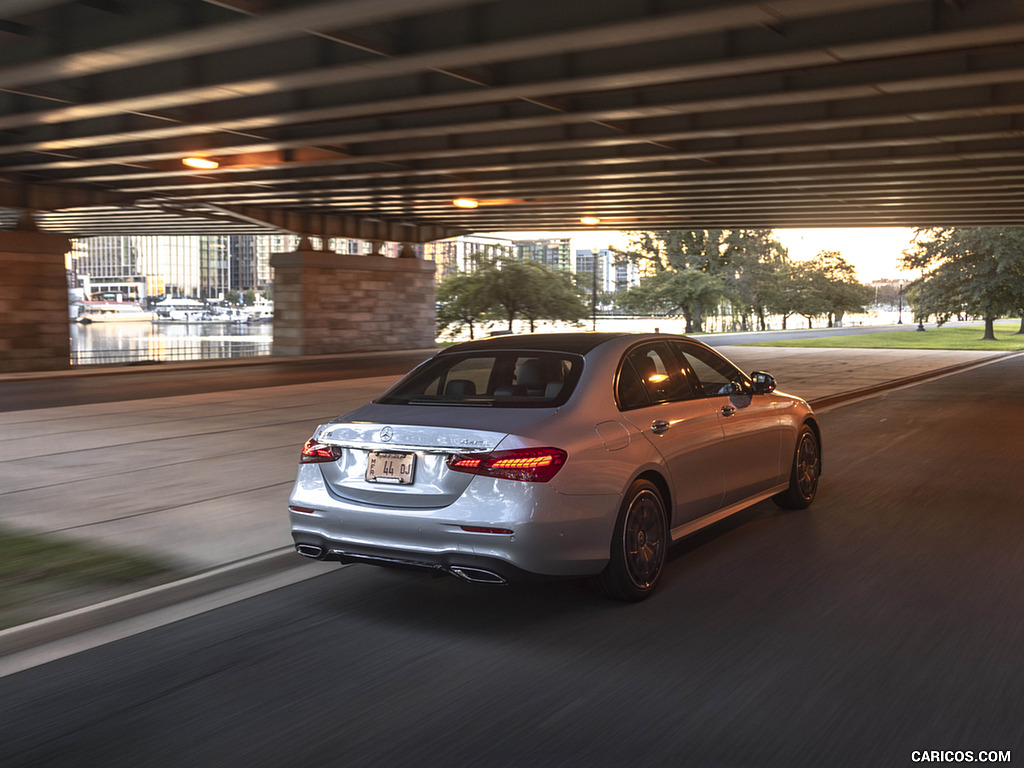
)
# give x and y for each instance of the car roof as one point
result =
(579, 343)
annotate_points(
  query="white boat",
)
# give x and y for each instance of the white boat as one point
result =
(191, 312)
(260, 312)
(86, 312)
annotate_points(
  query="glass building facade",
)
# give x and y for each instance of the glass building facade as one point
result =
(553, 252)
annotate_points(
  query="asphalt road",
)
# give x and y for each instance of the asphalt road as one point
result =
(886, 619)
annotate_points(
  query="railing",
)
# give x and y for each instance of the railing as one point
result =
(173, 350)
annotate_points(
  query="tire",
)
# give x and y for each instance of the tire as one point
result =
(639, 546)
(803, 477)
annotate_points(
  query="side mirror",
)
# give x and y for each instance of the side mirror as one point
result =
(764, 383)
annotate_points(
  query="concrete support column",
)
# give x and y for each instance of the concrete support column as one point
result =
(33, 302)
(328, 303)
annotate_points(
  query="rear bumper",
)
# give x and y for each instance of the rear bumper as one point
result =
(468, 567)
(535, 531)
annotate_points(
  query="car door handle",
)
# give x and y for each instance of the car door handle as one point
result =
(728, 410)
(658, 426)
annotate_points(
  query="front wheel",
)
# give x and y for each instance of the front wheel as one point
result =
(639, 546)
(803, 477)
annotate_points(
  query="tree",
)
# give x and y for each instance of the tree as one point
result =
(841, 290)
(506, 289)
(755, 259)
(808, 290)
(532, 290)
(686, 273)
(688, 291)
(462, 302)
(781, 289)
(559, 299)
(973, 270)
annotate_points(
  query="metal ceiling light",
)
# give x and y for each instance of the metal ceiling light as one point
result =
(465, 202)
(590, 221)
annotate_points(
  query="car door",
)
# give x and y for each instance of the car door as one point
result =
(753, 432)
(655, 396)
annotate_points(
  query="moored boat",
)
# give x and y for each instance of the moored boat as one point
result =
(109, 312)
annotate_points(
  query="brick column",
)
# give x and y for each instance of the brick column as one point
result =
(327, 303)
(33, 302)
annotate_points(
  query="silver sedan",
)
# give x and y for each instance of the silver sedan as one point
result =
(552, 455)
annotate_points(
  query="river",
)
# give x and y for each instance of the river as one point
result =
(131, 342)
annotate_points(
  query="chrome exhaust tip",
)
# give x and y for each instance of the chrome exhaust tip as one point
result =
(476, 575)
(310, 550)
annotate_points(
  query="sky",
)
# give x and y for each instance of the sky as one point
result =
(874, 253)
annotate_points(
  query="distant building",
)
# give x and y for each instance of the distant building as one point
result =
(456, 254)
(554, 253)
(192, 266)
(613, 274)
(108, 265)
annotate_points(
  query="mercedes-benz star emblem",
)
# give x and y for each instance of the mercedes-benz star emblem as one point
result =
(386, 434)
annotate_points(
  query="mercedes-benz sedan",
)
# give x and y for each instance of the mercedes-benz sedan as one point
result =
(552, 455)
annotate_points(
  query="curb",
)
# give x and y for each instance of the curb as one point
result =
(51, 628)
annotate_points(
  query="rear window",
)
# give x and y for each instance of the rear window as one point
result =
(503, 379)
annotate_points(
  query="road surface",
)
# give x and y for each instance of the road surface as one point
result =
(884, 621)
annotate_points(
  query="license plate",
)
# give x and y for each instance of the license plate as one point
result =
(388, 467)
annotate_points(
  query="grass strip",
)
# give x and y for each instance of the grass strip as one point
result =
(958, 338)
(42, 576)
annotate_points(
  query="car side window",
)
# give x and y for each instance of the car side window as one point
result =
(650, 374)
(630, 391)
(714, 376)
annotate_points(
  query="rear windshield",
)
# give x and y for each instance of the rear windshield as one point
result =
(503, 379)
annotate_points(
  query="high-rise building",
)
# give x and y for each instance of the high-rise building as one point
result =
(192, 266)
(456, 254)
(108, 266)
(552, 252)
(613, 273)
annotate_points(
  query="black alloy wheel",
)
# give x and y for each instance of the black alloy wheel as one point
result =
(639, 545)
(803, 479)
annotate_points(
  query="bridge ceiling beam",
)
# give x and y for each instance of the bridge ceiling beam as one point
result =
(342, 117)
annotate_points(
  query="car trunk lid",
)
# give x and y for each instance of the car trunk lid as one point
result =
(400, 465)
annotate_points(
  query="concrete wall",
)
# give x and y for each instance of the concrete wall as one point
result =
(33, 302)
(327, 303)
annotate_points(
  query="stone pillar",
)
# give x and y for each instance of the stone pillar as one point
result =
(328, 303)
(33, 302)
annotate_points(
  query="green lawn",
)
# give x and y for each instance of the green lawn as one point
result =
(41, 576)
(967, 338)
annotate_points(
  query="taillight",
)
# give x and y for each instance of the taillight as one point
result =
(314, 452)
(532, 465)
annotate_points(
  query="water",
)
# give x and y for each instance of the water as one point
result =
(141, 342)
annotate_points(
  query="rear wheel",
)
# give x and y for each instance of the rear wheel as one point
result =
(639, 546)
(803, 477)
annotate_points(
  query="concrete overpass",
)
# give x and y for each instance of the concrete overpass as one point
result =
(366, 119)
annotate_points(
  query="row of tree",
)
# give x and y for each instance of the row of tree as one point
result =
(965, 272)
(693, 272)
(507, 290)
(689, 273)
(968, 272)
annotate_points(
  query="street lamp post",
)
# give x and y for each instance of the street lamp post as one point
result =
(899, 321)
(593, 289)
